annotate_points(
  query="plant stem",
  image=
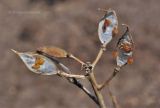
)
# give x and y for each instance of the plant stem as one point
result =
(114, 100)
(116, 71)
(97, 92)
(102, 49)
(78, 84)
(69, 75)
(77, 59)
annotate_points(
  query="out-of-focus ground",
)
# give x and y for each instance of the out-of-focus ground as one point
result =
(72, 25)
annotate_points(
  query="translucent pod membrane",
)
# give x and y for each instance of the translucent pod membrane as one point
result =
(38, 63)
(108, 26)
(125, 49)
(123, 58)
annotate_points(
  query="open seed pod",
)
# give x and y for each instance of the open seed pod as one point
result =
(125, 49)
(53, 51)
(108, 26)
(41, 64)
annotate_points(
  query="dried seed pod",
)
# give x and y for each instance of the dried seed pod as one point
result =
(53, 51)
(125, 49)
(108, 26)
(38, 63)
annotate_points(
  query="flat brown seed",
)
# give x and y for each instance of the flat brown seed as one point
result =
(38, 62)
(106, 24)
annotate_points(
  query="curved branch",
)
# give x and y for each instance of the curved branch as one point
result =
(76, 59)
(79, 85)
(102, 49)
(83, 88)
(97, 92)
(113, 98)
(116, 71)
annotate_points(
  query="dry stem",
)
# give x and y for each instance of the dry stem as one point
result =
(68, 75)
(102, 49)
(77, 59)
(97, 92)
(116, 71)
(114, 100)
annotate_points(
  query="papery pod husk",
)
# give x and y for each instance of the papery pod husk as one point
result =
(108, 27)
(122, 58)
(125, 49)
(38, 63)
(126, 38)
(53, 51)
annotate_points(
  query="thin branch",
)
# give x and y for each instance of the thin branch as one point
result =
(76, 59)
(116, 71)
(102, 49)
(113, 98)
(97, 92)
(78, 84)
(83, 88)
(72, 79)
(68, 75)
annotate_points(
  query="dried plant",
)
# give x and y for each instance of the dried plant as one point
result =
(44, 60)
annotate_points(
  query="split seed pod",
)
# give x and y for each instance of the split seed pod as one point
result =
(40, 64)
(108, 27)
(125, 49)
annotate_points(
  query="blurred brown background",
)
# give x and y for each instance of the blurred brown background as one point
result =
(72, 24)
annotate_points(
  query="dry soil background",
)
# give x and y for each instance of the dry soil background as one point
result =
(72, 25)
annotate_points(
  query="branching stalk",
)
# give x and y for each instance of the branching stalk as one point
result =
(102, 49)
(44, 60)
(79, 85)
(77, 59)
(113, 98)
(97, 92)
(116, 71)
(68, 75)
